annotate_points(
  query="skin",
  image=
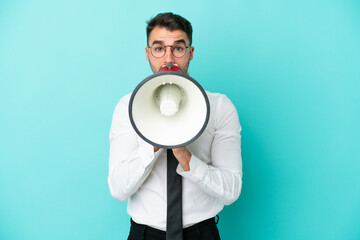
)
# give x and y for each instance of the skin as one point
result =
(167, 37)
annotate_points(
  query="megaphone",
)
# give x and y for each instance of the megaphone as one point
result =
(169, 109)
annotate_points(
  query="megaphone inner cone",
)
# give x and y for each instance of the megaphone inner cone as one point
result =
(169, 97)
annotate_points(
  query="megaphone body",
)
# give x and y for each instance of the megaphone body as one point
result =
(169, 109)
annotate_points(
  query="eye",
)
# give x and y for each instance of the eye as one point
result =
(158, 48)
(179, 48)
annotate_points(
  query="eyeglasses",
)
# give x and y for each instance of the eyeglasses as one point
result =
(178, 50)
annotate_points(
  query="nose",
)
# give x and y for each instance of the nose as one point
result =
(168, 58)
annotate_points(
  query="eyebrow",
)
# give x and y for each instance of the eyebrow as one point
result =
(162, 42)
(180, 41)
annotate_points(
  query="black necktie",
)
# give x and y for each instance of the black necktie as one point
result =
(174, 200)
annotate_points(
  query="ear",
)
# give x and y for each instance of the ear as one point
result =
(191, 53)
(147, 53)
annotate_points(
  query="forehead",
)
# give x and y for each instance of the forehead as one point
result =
(167, 37)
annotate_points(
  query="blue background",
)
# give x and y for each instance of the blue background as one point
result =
(292, 69)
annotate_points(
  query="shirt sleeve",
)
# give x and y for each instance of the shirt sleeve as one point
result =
(131, 158)
(221, 179)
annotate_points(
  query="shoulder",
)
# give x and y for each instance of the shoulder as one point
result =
(219, 100)
(223, 112)
(125, 98)
(124, 101)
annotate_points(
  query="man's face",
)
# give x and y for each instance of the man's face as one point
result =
(168, 38)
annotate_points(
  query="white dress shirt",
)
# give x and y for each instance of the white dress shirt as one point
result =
(138, 175)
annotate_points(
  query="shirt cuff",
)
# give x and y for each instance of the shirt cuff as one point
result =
(197, 170)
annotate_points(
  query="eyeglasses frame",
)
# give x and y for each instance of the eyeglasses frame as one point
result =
(172, 51)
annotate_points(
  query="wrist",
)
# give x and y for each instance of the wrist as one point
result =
(185, 161)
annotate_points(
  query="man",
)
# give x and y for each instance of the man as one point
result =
(211, 166)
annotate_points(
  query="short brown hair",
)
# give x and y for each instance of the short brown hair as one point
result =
(171, 22)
